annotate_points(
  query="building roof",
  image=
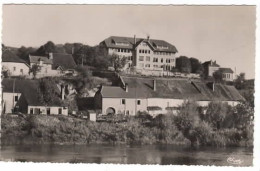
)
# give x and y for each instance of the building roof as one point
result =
(8, 56)
(28, 88)
(171, 88)
(128, 43)
(211, 63)
(63, 60)
(37, 59)
(226, 70)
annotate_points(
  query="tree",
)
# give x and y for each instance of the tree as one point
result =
(49, 47)
(183, 64)
(240, 81)
(34, 70)
(118, 62)
(24, 52)
(196, 66)
(47, 91)
(218, 76)
(216, 113)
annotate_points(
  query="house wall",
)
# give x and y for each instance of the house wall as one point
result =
(54, 110)
(228, 76)
(211, 70)
(165, 102)
(130, 105)
(46, 70)
(9, 101)
(16, 69)
(164, 60)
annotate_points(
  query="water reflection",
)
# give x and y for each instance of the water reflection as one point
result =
(149, 154)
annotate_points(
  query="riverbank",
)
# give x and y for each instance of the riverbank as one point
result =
(41, 129)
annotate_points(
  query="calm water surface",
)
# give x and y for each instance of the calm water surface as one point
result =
(142, 154)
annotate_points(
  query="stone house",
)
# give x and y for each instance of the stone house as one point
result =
(160, 96)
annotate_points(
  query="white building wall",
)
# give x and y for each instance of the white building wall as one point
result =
(212, 70)
(130, 105)
(228, 76)
(16, 69)
(9, 101)
(54, 110)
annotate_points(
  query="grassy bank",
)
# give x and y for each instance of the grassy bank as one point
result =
(189, 127)
(39, 129)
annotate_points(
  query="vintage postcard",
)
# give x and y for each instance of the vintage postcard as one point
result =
(128, 84)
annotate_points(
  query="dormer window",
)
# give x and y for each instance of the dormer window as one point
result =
(122, 43)
(162, 47)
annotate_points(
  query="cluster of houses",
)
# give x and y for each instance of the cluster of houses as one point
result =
(155, 95)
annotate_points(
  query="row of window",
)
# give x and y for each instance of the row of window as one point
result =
(163, 53)
(123, 101)
(123, 50)
(48, 111)
(144, 51)
(165, 67)
(21, 70)
(147, 58)
(226, 76)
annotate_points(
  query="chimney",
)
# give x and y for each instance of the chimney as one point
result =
(154, 85)
(50, 55)
(211, 85)
(148, 38)
(134, 40)
(62, 92)
(126, 87)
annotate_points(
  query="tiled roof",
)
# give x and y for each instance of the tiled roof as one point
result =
(66, 61)
(8, 56)
(111, 43)
(169, 88)
(37, 59)
(28, 88)
(226, 70)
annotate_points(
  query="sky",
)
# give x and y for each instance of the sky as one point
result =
(222, 33)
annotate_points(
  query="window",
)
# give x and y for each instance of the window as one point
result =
(149, 51)
(140, 51)
(145, 51)
(138, 102)
(147, 58)
(31, 110)
(14, 68)
(118, 50)
(162, 60)
(168, 60)
(15, 98)
(48, 111)
(21, 71)
(141, 58)
(60, 111)
(147, 65)
(155, 59)
(123, 101)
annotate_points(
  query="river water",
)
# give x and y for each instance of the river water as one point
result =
(124, 154)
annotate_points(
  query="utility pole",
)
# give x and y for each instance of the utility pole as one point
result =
(13, 94)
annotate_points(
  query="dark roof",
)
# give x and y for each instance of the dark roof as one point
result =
(226, 70)
(211, 63)
(152, 108)
(37, 59)
(110, 42)
(8, 56)
(171, 88)
(63, 60)
(28, 88)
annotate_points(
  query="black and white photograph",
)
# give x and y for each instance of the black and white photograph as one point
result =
(128, 84)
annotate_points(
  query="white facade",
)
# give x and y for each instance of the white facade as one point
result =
(144, 58)
(16, 69)
(228, 76)
(124, 105)
(212, 69)
(10, 100)
(52, 110)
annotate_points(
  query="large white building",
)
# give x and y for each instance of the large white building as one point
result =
(142, 54)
